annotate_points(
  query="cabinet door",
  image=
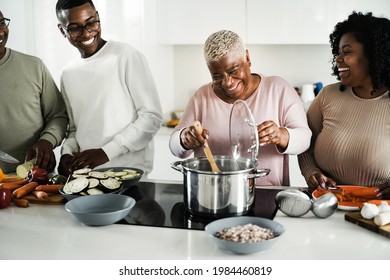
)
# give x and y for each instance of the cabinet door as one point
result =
(191, 22)
(303, 21)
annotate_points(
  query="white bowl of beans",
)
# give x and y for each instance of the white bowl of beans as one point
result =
(244, 235)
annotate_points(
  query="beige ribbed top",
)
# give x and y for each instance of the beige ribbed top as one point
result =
(351, 137)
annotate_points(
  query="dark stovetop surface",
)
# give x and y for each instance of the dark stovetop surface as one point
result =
(161, 205)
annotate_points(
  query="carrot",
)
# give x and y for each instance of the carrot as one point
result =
(24, 190)
(55, 188)
(40, 194)
(21, 202)
(10, 186)
(369, 193)
(15, 180)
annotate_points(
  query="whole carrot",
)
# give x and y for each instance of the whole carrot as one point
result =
(21, 202)
(24, 190)
(369, 193)
(55, 188)
(15, 180)
(10, 186)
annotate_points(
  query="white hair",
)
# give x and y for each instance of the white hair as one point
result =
(221, 43)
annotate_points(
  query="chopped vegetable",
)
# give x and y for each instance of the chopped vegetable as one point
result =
(110, 183)
(98, 175)
(93, 182)
(77, 185)
(82, 171)
(94, 191)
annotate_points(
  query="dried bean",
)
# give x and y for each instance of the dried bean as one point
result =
(246, 233)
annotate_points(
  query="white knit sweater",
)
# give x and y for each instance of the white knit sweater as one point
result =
(113, 104)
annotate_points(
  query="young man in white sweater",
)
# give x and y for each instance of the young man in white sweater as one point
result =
(110, 95)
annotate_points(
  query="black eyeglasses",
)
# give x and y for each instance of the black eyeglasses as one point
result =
(4, 23)
(76, 30)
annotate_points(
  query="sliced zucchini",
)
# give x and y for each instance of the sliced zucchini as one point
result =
(110, 183)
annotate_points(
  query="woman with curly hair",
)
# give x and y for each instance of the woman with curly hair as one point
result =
(350, 120)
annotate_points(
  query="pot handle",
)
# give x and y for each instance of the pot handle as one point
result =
(177, 165)
(259, 173)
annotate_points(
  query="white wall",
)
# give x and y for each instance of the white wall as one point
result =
(178, 70)
(298, 64)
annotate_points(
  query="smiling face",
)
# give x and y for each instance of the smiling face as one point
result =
(88, 43)
(352, 63)
(232, 78)
(3, 36)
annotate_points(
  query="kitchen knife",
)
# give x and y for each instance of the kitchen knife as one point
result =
(7, 158)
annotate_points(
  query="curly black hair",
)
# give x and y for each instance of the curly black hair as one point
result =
(374, 34)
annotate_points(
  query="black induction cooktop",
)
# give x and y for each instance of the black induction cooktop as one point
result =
(161, 205)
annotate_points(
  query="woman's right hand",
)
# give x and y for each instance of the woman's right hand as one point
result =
(190, 139)
(319, 180)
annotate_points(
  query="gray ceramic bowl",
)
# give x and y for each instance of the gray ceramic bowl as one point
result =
(243, 248)
(101, 209)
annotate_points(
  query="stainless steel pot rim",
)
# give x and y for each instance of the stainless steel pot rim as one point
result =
(185, 165)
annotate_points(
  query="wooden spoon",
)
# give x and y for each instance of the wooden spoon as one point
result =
(206, 148)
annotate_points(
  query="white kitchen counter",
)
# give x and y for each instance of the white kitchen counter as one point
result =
(49, 232)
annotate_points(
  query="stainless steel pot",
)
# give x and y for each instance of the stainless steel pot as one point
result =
(219, 194)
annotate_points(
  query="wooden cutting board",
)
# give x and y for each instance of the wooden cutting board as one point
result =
(356, 218)
(51, 199)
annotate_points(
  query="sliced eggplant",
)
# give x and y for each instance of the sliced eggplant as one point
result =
(77, 185)
(79, 175)
(67, 189)
(130, 171)
(98, 175)
(110, 183)
(82, 171)
(120, 173)
(94, 191)
(93, 182)
(110, 173)
(130, 176)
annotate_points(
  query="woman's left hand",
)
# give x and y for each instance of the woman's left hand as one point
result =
(270, 133)
(384, 190)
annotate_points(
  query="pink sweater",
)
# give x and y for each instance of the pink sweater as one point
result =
(275, 100)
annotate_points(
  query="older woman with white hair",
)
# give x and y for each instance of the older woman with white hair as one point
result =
(282, 125)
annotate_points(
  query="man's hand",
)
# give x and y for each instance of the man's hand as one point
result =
(42, 150)
(89, 158)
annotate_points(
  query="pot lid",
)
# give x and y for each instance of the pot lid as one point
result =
(243, 132)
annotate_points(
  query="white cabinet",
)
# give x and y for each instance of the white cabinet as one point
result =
(303, 21)
(183, 22)
(191, 22)
(163, 158)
